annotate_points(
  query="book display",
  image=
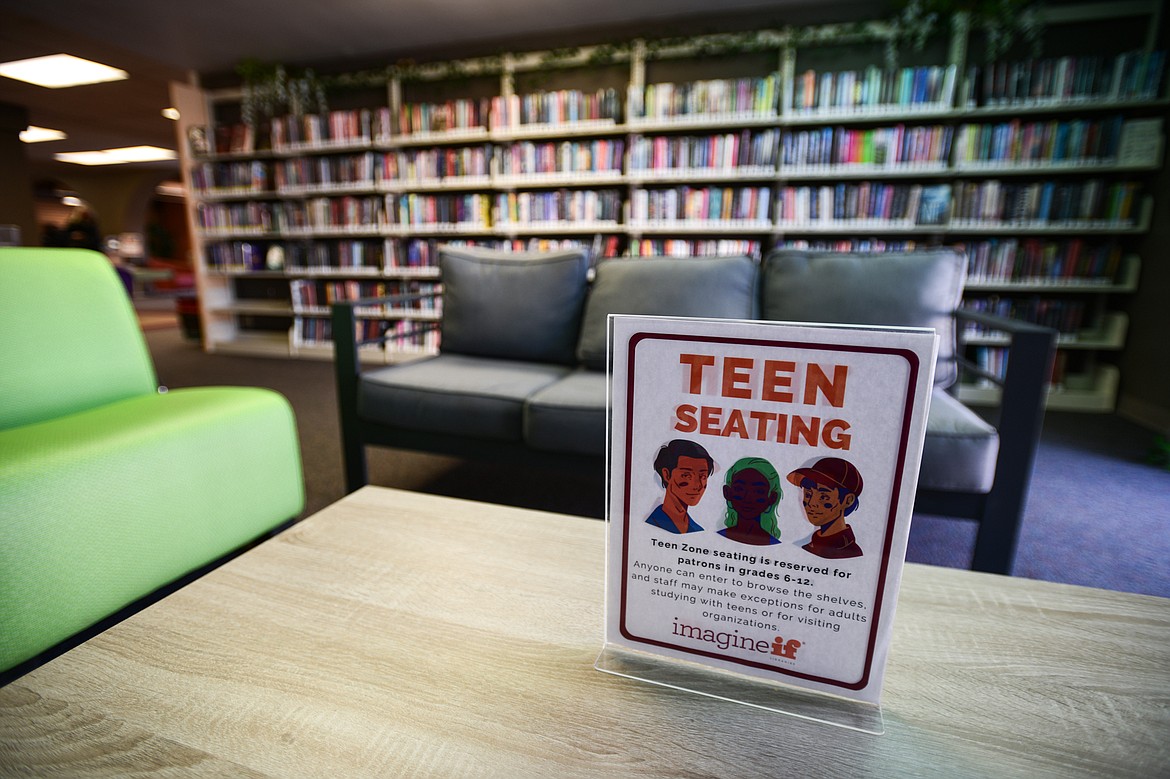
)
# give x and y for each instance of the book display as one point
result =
(1038, 168)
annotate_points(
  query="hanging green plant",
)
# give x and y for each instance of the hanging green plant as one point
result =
(1005, 23)
(269, 91)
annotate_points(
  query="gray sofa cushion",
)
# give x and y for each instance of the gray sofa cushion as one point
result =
(513, 305)
(458, 394)
(917, 289)
(960, 450)
(568, 415)
(720, 287)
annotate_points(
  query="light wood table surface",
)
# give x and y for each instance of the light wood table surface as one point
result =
(398, 634)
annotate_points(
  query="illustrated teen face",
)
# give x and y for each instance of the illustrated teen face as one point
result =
(688, 480)
(823, 504)
(749, 494)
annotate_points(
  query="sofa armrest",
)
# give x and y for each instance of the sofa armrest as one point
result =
(347, 371)
(1021, 416)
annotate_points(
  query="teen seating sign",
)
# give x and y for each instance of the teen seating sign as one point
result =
(762, 478)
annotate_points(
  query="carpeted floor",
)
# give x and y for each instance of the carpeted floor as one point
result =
(1096, 515)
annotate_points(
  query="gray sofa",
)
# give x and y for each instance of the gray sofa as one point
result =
(521, 374)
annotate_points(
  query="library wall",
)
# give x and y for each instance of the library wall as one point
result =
(1042, 170)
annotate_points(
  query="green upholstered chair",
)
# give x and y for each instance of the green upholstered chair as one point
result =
(111, 488)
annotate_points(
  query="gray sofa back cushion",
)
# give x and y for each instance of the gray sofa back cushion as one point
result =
(720, 287)
(916, 289)
(514, 305)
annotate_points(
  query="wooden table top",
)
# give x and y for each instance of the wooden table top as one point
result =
(399, 634)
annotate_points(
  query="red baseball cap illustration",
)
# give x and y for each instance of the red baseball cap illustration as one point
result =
(830, 472)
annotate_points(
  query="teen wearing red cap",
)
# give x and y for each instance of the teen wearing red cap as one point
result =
(830, 488)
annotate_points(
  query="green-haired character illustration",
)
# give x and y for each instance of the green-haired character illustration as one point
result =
(752, 491)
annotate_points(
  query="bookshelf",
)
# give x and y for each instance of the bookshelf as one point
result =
(1037, 168)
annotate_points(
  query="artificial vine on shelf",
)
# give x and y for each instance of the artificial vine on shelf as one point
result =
(1005, 23)
(269, 89)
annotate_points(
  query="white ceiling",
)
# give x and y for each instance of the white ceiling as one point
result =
(160, 41)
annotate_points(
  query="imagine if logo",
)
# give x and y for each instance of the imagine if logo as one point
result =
(786, 649)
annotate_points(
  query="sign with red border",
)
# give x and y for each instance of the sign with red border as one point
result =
(761, 483)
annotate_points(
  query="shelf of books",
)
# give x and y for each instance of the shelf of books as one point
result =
(1093, 390)
(1039, 168)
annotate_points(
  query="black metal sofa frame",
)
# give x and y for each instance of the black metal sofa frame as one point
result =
(998, 512)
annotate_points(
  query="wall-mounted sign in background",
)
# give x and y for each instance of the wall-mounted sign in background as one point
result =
(762, 478)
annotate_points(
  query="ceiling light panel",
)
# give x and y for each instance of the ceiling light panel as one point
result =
(34, 134)
(60, 70)
(117, 156)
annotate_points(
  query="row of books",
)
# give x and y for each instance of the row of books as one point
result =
(742, 96)
(599, 246)
(683, 247)
(852, 91)
(1034, 261)
(994, 359)
(414, 209)
(423, 254)
(1090, 200)
(316, 129)
(292, 215)
(341, 256)
(706, 203)
(1008, 142)
(318, 331)
(565, 106)
(316, 294)
(412, 118)
(1057, 262)
(239, 177)
(527, 158)
(235, 256)
(406, 336)
(723, 151)
(563, 205)
(1066, 316)
(1133, 75)
(505, 208)
(868, 245)
(1015, 142)
(334, 170)
(329, 212)
(250, 215)
(866, 201)
(897, 145)
(402, 335)
(434, 164)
